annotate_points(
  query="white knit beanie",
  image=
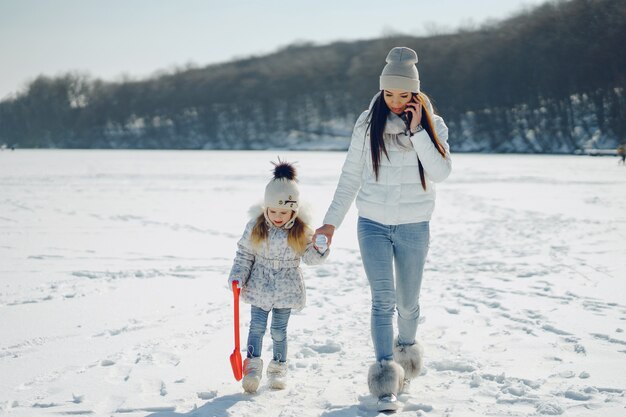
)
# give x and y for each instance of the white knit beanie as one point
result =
(400, 73)
(282, 191)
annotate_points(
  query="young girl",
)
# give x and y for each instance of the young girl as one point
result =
(266, 269)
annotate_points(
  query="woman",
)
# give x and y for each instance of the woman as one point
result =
(398, 150)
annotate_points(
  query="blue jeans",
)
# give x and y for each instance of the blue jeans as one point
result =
(382, 247)
(278, 330)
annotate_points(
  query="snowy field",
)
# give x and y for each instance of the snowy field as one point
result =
(113, 295)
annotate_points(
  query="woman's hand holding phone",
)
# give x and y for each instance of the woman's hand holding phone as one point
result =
(414, 112)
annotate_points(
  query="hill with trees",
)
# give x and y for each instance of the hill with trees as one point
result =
(548, 80)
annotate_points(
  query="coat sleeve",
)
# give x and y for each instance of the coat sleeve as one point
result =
(351, 173)
(437, 167)
(244, 259)
(312, 257)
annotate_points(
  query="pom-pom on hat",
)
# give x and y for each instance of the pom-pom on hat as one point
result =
(400, 73)
(282, 191)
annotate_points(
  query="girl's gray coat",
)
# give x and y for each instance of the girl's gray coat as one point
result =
(269, 273)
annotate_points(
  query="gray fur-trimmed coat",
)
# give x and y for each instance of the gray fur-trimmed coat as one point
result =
(269, 274)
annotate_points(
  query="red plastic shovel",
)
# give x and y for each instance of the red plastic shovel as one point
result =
(235, 357)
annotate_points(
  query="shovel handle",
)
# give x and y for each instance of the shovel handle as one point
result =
(236, 304)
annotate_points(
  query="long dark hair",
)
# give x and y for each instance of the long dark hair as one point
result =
(376, 126)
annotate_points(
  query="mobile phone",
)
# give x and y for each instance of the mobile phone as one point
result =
(406, 116)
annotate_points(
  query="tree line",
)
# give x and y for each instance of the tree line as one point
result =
(538, 77)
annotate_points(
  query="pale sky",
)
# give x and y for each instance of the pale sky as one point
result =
(109, 39)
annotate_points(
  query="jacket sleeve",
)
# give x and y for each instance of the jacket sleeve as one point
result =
(350, 179)
(244, 259)
(437, 167)
(312, 257)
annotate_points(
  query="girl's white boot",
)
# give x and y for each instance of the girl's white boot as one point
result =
(277, 374)
(252, 372)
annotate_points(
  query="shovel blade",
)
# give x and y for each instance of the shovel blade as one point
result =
(236, 364)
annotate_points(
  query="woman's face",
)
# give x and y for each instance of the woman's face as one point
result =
(279, 216)
(397, 100)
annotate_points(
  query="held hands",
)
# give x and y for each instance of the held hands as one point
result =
(327, 230)
(321, 244)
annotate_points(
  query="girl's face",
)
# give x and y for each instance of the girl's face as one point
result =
(279, 216)
(397, 100)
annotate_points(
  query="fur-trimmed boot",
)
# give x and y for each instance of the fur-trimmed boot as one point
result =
(410, 358)
(385, 380)
(252, 373)
(277, 374)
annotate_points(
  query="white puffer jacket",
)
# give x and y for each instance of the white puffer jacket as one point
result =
(269, 274)
(397, 197)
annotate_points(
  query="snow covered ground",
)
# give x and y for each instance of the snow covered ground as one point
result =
(113, 297)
